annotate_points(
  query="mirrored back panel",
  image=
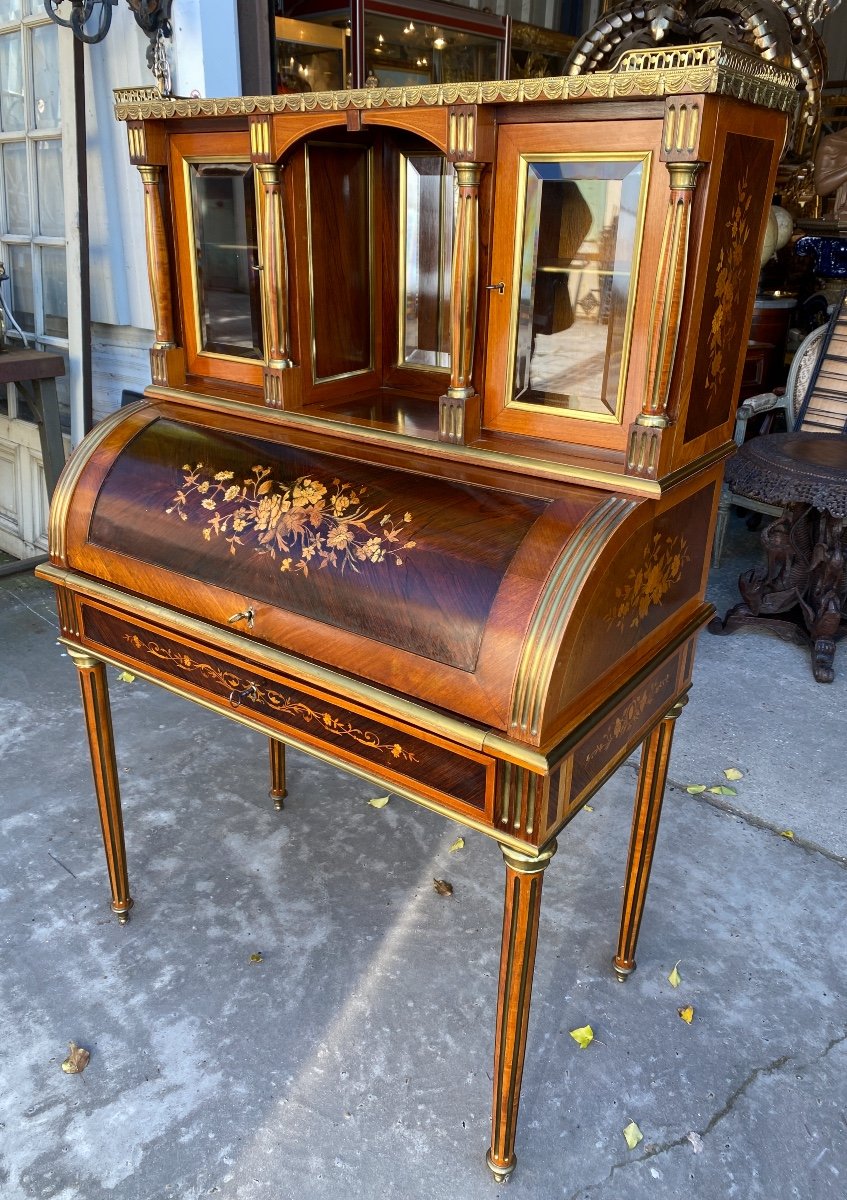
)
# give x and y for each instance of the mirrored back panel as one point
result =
(427, 219)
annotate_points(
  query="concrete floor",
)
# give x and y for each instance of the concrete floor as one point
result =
(353, 1061)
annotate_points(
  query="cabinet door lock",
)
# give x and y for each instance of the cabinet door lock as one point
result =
(247, 616)
(496, 287)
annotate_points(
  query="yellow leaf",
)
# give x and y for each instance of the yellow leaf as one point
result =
(588, 808)
(583, 1036)
(257, 957)
(459, 844)
(77, 1059)
(687, 1014)
(675, 979)
(380, 802)
(723, 791)
(733, 773)
(633, 1135)
(695, 789)
(126, 677)
(788, 833)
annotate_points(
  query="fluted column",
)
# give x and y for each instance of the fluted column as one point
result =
(274, 271)
(158, 259)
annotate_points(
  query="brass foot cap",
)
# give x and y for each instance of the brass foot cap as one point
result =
(123, 913)
(622, 972)
(501, 1174)
(278, 798)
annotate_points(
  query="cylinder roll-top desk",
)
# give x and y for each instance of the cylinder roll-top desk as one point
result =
(425, 482)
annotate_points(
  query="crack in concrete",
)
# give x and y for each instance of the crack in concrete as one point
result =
(758, 1072)
(732, 810)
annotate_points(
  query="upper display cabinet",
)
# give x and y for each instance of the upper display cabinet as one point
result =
(559, 271)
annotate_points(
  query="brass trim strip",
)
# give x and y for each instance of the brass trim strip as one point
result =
(477, 738)
(541, 645)
(564, 472)
(397, 789)
(680, 70)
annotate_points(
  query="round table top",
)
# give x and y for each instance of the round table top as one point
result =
(792, 468)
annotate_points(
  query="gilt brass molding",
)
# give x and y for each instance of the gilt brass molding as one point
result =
(708, 68)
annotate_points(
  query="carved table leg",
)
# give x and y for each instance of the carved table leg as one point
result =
(98, 721)
(524, 877)
(655, 755)
(277, 792)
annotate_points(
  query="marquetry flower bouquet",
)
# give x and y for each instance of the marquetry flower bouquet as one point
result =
(299, 523)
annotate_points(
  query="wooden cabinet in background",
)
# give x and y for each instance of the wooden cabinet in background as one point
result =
(426, 479)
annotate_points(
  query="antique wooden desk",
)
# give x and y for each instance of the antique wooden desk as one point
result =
(426, 479)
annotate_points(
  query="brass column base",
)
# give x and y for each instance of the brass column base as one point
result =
(501, 1174)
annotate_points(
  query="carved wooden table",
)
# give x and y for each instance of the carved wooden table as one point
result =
(804, 577)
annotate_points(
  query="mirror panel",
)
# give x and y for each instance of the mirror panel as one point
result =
(579, 220)
(225, 254)
(427, 217)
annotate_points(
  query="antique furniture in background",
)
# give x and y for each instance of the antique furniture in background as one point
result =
(34, 374)
(802, 477)
(788, 401)
(426, 479)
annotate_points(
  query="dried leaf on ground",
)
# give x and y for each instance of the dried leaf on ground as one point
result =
(583, 1036)
(733, 773)
(77, 1060)
(257, 957)
(380, 802)
(696, 1141)
(687, 1014)
(459, 844)
(633, 1135)
(126, 677)
(694, 789)
(788, 833)
(588, 808)
(443, 887)
(723, 791)
(675, 979)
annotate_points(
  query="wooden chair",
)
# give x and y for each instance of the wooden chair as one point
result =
(810, 374)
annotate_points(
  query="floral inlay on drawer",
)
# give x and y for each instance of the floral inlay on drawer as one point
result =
(295, 524)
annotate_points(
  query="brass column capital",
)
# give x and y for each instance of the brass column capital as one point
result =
(527, 864)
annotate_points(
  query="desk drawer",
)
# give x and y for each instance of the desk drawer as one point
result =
(456, 777)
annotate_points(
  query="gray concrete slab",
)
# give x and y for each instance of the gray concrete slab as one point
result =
(354, 1060)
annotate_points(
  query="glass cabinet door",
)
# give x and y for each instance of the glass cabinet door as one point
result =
(576, 258)
(225, 259)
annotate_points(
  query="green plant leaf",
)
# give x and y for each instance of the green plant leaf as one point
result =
(380, 802)
(126, 677)
(583, 1036)
(733, 773)
(459, 844)
(675, 979)
(695, 789)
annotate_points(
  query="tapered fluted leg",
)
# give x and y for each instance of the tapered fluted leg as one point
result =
(98, 721)
(277, 792)
(524, 876)
(655, 755)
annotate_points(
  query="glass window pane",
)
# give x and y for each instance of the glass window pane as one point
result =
(10, 10)
(20, 281)
(11, 83)
(51, 196)
(226, 256)
(15, 188)
(427, 265)
(45, 76)
(54, 286)
(580, 241)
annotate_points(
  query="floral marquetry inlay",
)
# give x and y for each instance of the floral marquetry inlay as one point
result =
(261, 694)
(729, 267)
(297, 524)
(648, 583)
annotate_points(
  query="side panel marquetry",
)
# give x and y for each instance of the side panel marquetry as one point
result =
(463, 781)
(732, 258)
